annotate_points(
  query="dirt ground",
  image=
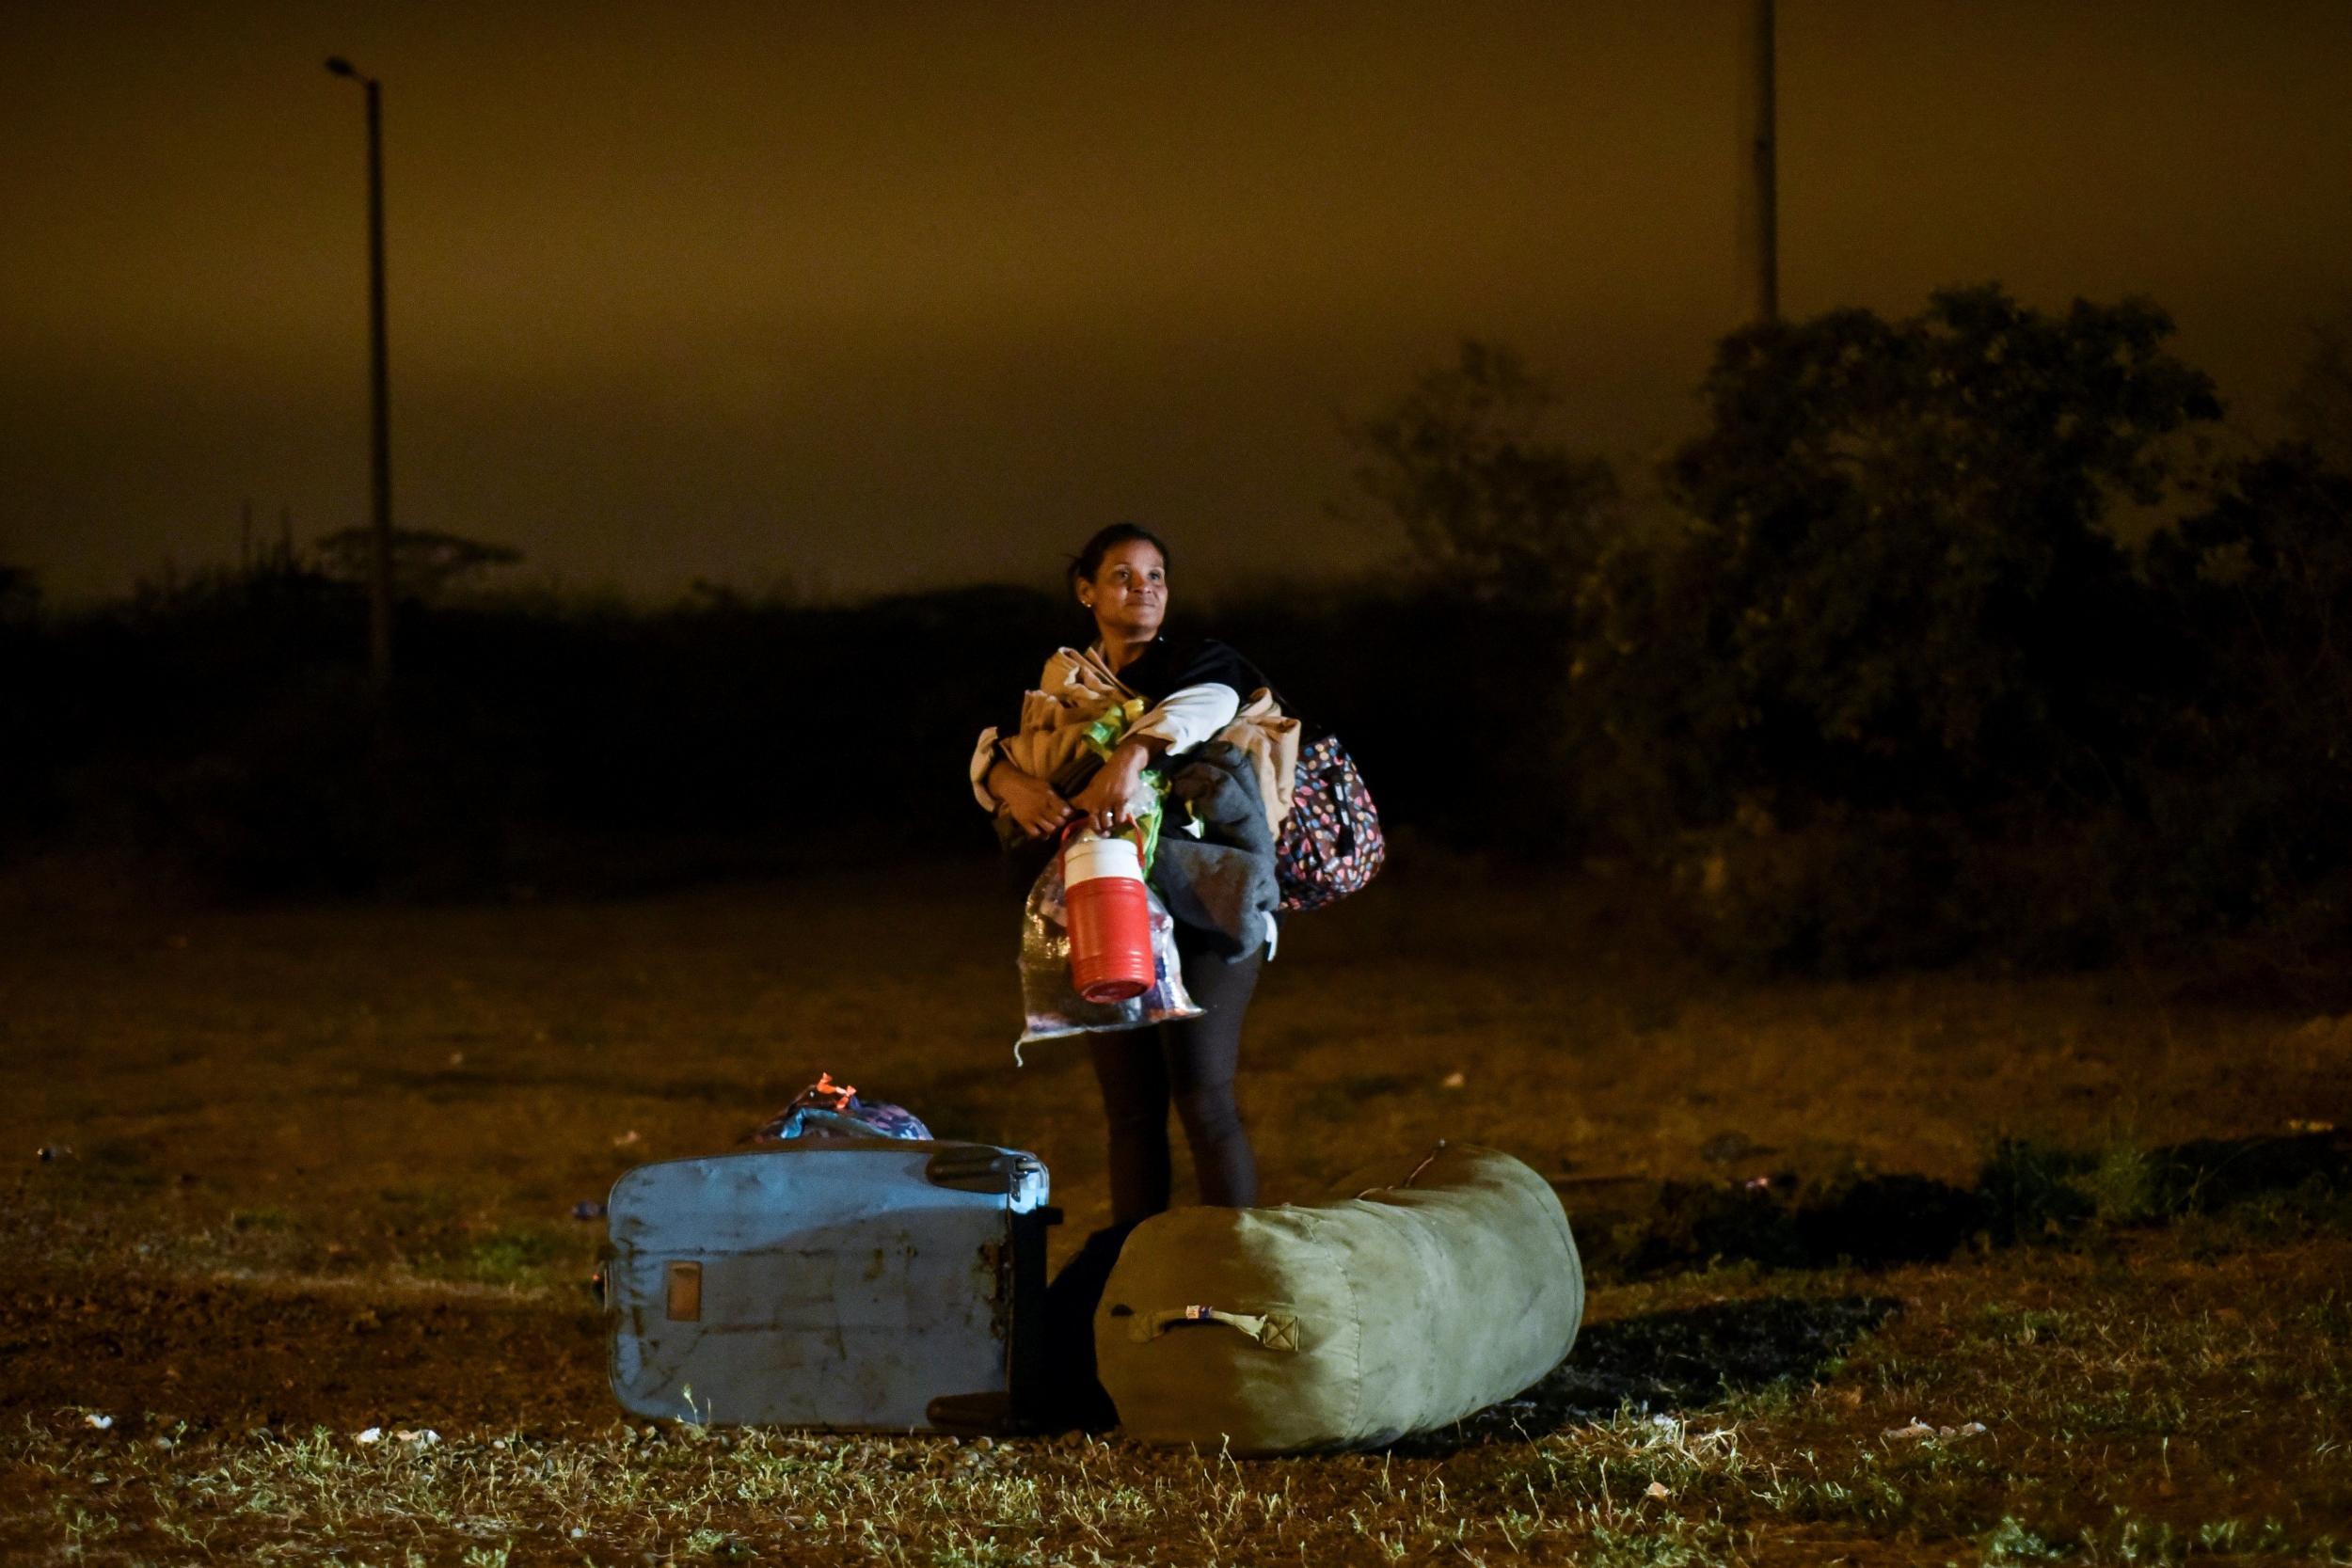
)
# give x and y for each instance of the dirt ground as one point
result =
(274, 1177)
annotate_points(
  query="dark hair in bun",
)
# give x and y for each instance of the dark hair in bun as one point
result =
(1088, 559)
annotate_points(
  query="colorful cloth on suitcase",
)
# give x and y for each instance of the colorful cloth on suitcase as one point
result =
(829, 1110)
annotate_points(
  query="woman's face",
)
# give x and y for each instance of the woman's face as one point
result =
(1128, 592)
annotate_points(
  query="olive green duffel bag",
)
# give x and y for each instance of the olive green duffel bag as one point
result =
(1344, 1325)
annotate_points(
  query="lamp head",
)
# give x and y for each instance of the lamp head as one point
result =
(339, 66)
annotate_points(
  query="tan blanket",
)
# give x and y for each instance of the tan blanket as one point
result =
(1270, 742)
(1077, 688)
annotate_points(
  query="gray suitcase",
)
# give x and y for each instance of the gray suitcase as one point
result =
(879, 1285)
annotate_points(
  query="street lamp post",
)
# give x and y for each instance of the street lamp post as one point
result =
(380, 575)
(1763, 160)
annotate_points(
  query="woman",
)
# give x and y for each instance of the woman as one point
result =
(1195, 690)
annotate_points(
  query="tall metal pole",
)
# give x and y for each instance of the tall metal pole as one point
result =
(380, 422)
(1763, 164)
(380, 588)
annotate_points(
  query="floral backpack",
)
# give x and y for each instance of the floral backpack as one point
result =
(1330, 844)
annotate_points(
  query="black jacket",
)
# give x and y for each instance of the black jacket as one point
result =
(1221, 884)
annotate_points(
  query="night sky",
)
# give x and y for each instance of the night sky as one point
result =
(881, 296)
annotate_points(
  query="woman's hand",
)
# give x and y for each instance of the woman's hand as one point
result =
(1103, 801)
(1028, 800)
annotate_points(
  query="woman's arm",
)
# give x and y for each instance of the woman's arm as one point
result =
(1183, 719)
(1109, 798)
(984, 756)
(1028, 800)
(1189, 716)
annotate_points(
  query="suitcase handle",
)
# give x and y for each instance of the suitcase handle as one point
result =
(995, 1171)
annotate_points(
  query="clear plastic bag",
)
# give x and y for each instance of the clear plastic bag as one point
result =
(1052, 1003)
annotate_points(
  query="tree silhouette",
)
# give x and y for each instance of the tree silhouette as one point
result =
(1487, 502)
(425, 564)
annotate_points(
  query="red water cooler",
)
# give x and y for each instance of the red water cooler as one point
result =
(1110, 918)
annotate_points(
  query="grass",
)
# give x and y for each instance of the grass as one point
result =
(2116, 1430)
(325, 1159)
(510, 1255)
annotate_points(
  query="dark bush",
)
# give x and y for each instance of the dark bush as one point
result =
(2247, 774)
(1896, 635)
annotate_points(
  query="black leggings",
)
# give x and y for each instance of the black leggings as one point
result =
(1191, 1063)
